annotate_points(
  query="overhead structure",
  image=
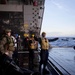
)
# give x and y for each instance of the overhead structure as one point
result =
(22, 16)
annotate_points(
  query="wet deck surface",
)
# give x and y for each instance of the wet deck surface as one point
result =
(65, 57)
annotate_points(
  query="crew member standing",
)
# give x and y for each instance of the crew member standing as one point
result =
(7, 44)
(32, 48)
(44, 51)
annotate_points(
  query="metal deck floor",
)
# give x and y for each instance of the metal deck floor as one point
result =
(64, 57)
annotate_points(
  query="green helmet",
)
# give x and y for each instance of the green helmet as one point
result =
(7, 30)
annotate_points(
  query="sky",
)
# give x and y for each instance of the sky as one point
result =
(59, 18)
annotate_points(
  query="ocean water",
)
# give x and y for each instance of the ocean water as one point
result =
(62, 41)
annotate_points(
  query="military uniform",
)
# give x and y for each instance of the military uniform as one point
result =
(7, 44)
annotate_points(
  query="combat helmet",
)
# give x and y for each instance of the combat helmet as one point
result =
(7, 30)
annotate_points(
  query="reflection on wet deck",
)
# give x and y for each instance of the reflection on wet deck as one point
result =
(64, 57)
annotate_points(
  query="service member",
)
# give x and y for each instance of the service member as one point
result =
(44, 51)
(32, 48)
(7, 44)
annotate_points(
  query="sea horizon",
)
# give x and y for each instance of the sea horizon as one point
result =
(62, 41)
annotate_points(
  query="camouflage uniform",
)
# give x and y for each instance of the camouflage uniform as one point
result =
(7, 45)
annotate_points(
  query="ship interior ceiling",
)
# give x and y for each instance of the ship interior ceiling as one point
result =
(26, 2)
(16, 19)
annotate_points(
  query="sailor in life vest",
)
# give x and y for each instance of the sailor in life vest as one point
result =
(32, 48)
(7, 44)
(44, 51)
